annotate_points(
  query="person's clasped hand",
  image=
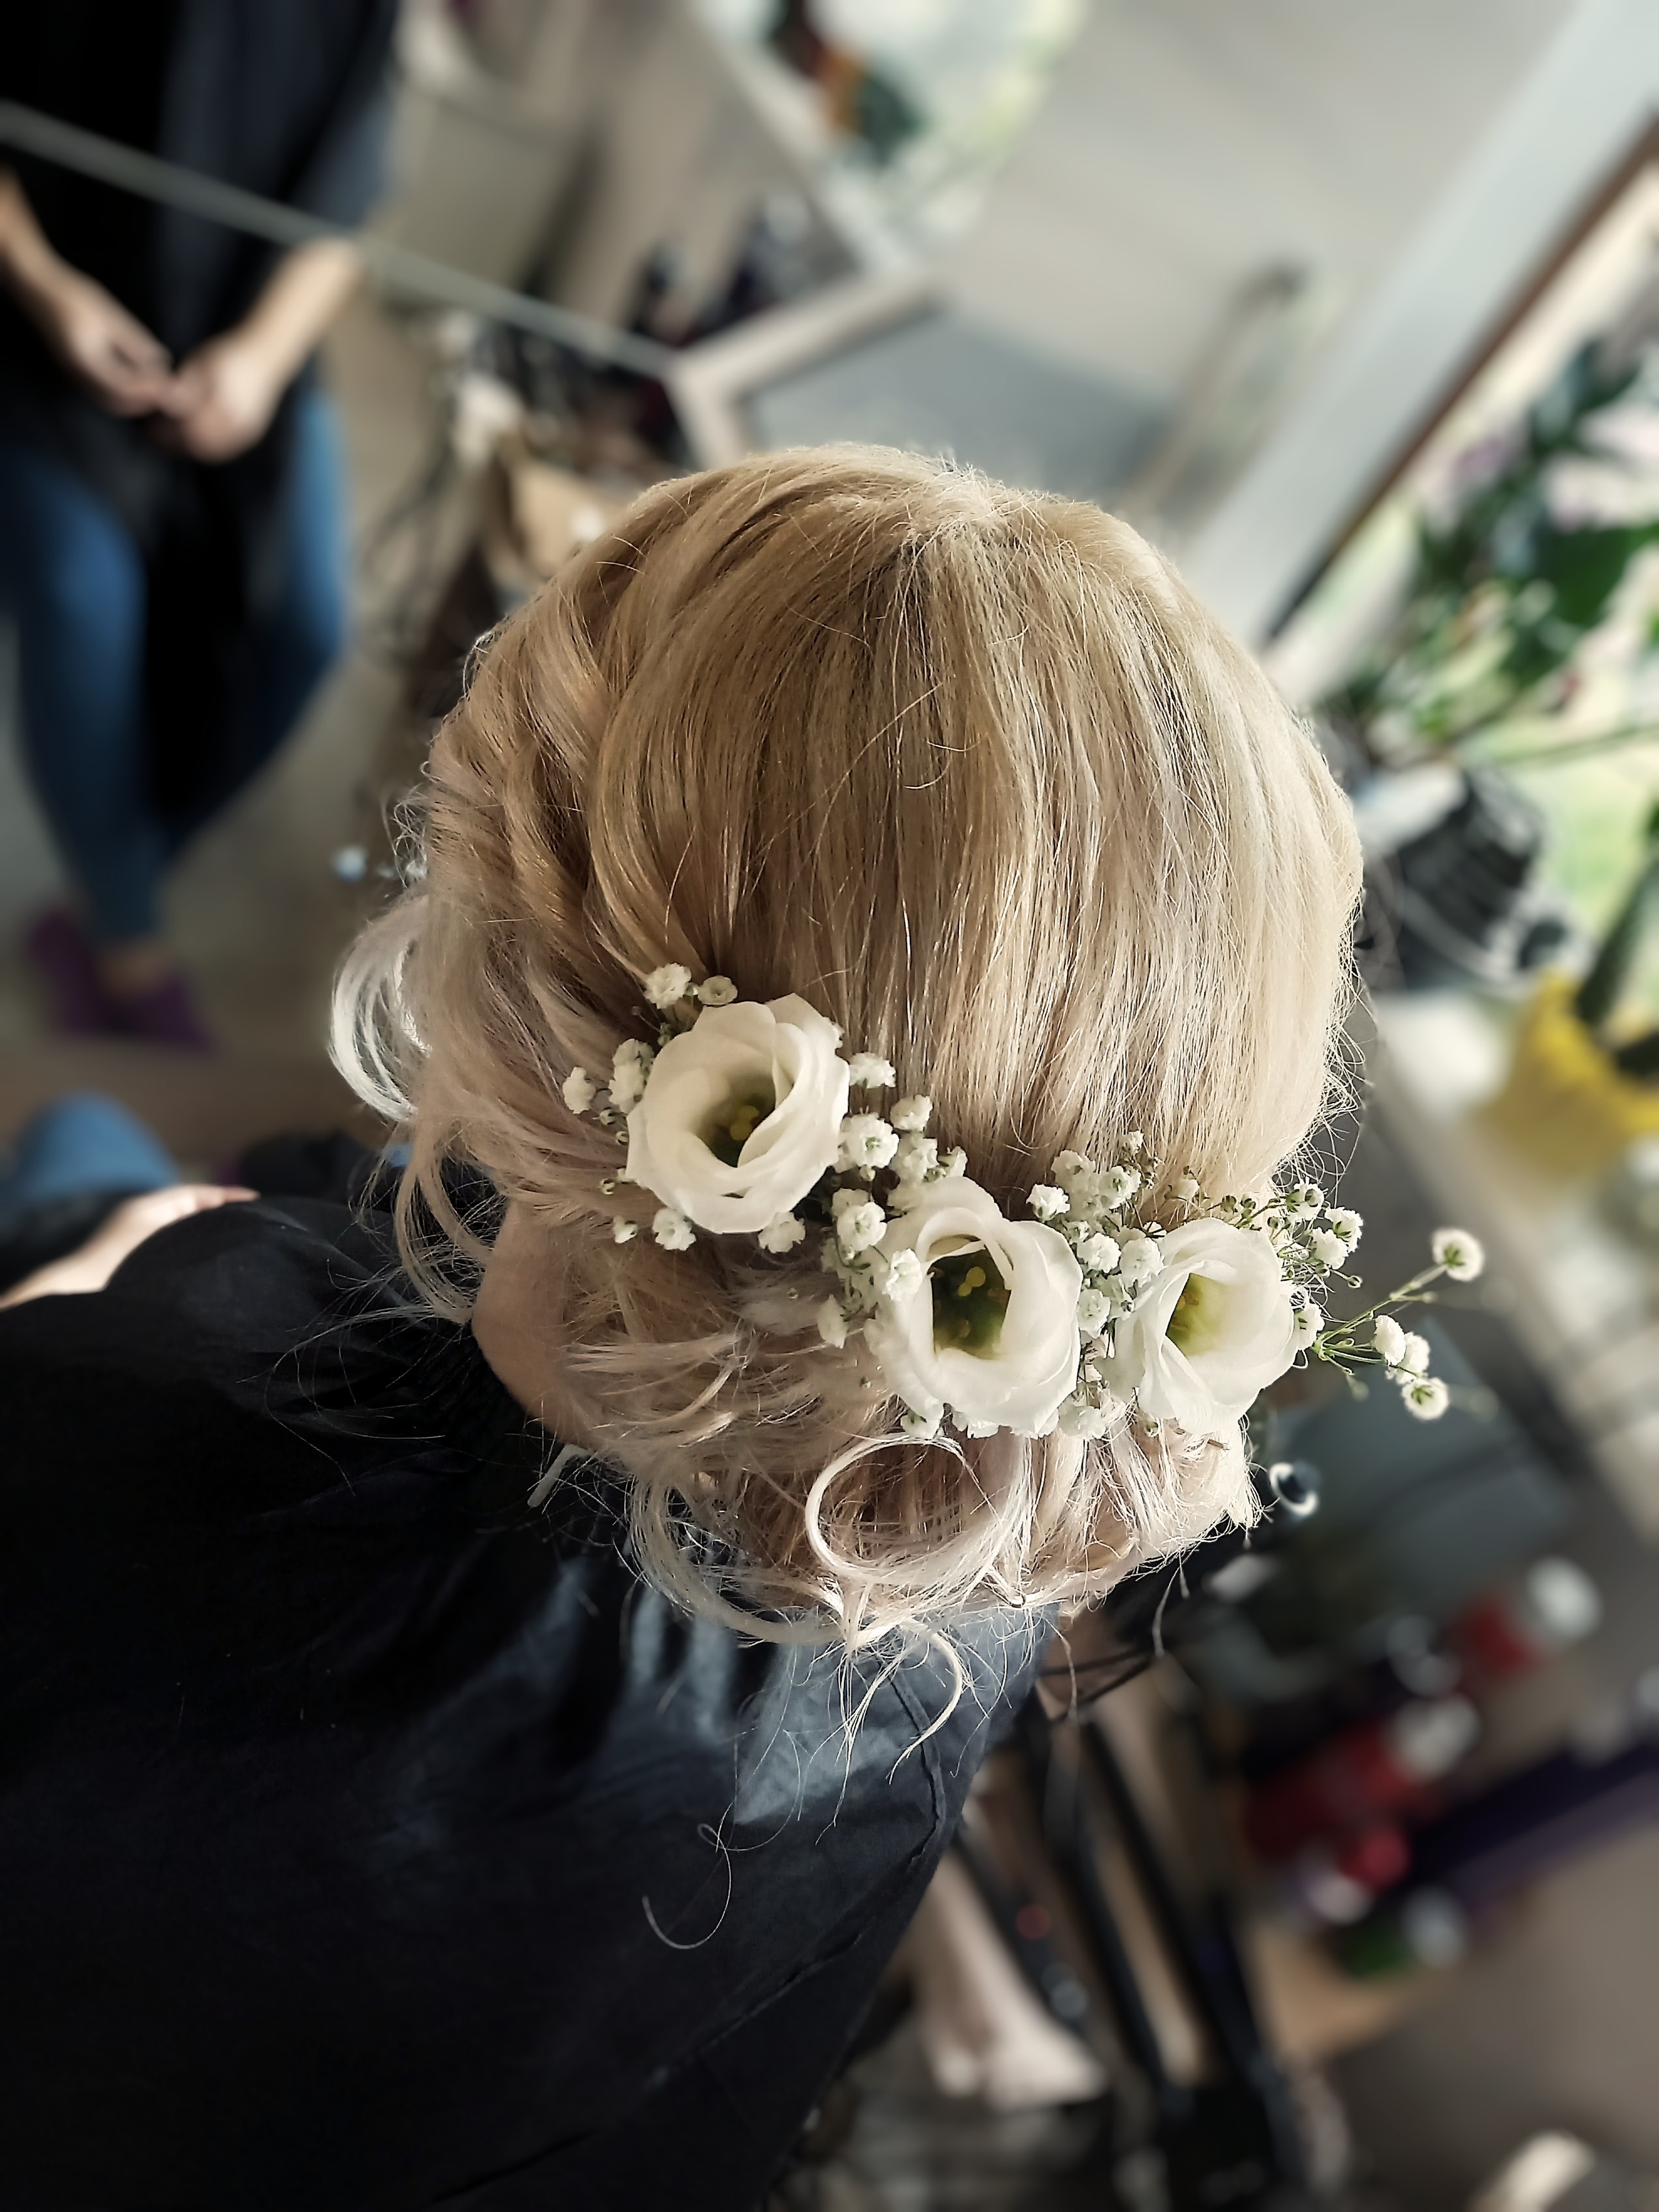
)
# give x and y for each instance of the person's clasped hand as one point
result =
(90, 1266)
(125, 368)
(222, 398)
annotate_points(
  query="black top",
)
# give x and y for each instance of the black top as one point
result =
(285, 98)
(367, 1839)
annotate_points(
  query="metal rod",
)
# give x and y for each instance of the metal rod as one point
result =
(125, 166)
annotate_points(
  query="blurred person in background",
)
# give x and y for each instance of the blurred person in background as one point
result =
(172, 519)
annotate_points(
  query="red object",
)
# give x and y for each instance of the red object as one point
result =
(1553, 1606)
(1378, 1857)
(1356, 1778)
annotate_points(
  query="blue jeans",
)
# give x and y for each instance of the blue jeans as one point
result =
(79, 1147)
(72, 576)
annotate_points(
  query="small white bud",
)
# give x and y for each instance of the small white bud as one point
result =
(832, 1323)
(781, 1235)
(579, 1091)
(717, 991)
(1462, 1255)
(671, 1229)
(622, 1231)
(666, 986)
(867, 1070)
(1425, 1397)
(911, 1114)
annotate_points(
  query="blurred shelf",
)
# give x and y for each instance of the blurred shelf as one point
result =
(1582, 1298)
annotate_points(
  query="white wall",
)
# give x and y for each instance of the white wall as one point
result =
(1188, 143)
(1588, 98)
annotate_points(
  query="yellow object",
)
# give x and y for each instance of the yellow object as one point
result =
(1565, 1102)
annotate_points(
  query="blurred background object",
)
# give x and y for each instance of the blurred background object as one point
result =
(1327, 1878)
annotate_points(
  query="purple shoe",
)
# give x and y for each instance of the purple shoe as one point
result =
(63, 958)
(165, 1014)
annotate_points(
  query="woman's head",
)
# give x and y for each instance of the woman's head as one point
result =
(971, 771)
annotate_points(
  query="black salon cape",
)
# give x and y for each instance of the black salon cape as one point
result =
(286, 99)
(368, 1840)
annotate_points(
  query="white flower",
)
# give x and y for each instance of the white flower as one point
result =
(782, 1235)
(953, 1163)
(1301, 1198)
(1425, 1396)
(1216, 1330)
(922, 1423)
(1078, 1417)
(666, 987)
(671, 1229)
(1414, 1355)
(1185, 1188)
(1309, 1322)
(1389, 1339)
(832, 1323)
(1048, 1201)
(717, 991)
(911, 1114)
(866, 1141)
(1117, 1184)
(1462, 1255)
(1094, 1310)
(905, 1276)
(1101, 1253)
(915, 1158)
(1326, 1247)
(1139, 1259)
(869, 1072)
(629, 1066)
(977, 1428)
(622, 1231)
(762, 1084)
(997, 1338)
(1346, 1224)
(579, 1090)
(860, 1227)
(1070, 1169)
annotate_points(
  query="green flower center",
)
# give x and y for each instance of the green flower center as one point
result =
(971, 1301)
(736, 1122)
(1195, 1326)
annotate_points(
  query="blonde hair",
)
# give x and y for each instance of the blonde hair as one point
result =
(970, 769)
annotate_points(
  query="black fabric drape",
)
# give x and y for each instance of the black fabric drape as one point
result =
(369, 1841)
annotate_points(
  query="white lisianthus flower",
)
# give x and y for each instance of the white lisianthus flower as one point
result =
(860, 1227)
(671, 1229)
(1346, 1224)
(622, 1231)
(1414, 1354)
(866, 1141)
(782, 1235)
(1101, 1252)
(1326, 1247)
(579, 1090)
(629, 1066)
(1139, 1259)
(1462, 1255)
(996, 1339)
(1094, 1310)
(1048, 1201)
(1425, 1397)
(740, 1114)
(915, 1157)
(912, 1114)
(1216, 1329)
(666, 986)
(717, 991)
(1389, 1339)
